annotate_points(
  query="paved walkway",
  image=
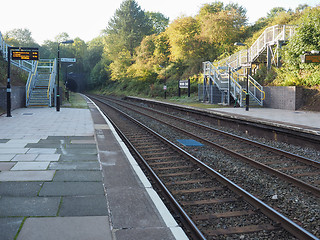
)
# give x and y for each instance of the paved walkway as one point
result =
(300, 120)
(54, 179)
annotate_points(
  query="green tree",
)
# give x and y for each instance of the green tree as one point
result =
(128, 27)
(20, 38)
(158, 22)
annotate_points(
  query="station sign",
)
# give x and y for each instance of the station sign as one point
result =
(25, 55)
(310, 58)
(183, 84)
(69, 60)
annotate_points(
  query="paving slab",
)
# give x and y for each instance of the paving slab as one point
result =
(25, 166)
(6, 157)
(13, 150)
(84, 206)
(25, 157)
(88, 165)
(14, 176)
(79, 157)
(28, 206)
(77, 151)
(20, 189)
(71, 189)
(6, 166)
(42, 150)
(139, 212)
(144, 234)
(9, 227)
(77, 176)
(48, 157)
(71, 228)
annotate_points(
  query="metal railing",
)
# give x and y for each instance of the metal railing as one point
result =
(230, 71)
(33, 68)
(30, 83)
(269, 37)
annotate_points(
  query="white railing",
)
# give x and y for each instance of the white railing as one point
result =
(269, 37)
(231, 69)
(30, 83)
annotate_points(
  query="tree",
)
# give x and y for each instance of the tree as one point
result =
(128, 26)
(275, 11)
(20, 38)
(158, 22)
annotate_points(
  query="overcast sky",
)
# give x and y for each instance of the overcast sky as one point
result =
(85, 19)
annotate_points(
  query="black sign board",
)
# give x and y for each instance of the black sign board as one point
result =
(183, 83)
(25, 55)
(310, 58)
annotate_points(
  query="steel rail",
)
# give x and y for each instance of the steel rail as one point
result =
(305, 186)
(286, 223)
(184, 217)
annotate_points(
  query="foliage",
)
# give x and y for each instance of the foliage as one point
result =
(20, 38)
(306, 38)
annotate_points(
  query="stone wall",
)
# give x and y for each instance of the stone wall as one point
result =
(18, 97)
(289, 98)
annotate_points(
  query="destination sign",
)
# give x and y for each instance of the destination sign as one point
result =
(25, 55)
(310, 58)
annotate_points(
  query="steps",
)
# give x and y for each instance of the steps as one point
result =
(39, 94)
(229, 74)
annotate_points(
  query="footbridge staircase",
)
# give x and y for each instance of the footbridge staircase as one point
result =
(227, 78)
(41, 78)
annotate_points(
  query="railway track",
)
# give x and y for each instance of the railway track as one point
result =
(215, 206)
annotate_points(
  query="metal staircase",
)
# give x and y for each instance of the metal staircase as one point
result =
(229, 75)
(41, 78)
(39, 90)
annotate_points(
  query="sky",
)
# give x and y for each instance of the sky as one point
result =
(86, 19)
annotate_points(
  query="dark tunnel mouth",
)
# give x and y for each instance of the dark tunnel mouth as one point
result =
(72, 85)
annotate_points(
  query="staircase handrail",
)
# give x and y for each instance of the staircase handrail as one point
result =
(31, 82)
(51, 81)
(27, 66)
(270, 36)
(258, 94)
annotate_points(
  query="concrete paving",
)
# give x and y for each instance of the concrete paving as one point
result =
(72, 170)
(300, 120)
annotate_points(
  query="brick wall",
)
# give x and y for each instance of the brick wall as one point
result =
(18, 97)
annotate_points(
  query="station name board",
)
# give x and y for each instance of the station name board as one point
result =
(310, 58)
(25, 55)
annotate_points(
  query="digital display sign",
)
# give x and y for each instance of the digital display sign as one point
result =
(25, 55)
(310, 58)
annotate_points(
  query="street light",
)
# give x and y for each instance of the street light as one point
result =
(58, 90)
(247, 91)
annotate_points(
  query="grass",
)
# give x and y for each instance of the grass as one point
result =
(75, 101)
(191, 101)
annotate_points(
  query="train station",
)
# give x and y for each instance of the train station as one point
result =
(199, 127)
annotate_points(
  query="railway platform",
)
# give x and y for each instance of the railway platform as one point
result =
(303, 121)
(68, 175)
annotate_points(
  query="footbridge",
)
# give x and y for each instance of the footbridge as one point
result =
(41, 78)
(231, 78)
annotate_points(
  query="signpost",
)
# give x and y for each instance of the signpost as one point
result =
(184, 84)
(22, 53)
(68, 60)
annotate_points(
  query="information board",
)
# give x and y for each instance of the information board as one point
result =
(25, 55)
(310, 58)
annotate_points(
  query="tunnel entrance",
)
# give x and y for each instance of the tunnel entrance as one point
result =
(72, 85)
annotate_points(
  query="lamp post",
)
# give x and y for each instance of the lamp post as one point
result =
(247, 90)
(58, 71)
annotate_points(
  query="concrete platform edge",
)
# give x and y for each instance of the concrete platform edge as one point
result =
(170, 222)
